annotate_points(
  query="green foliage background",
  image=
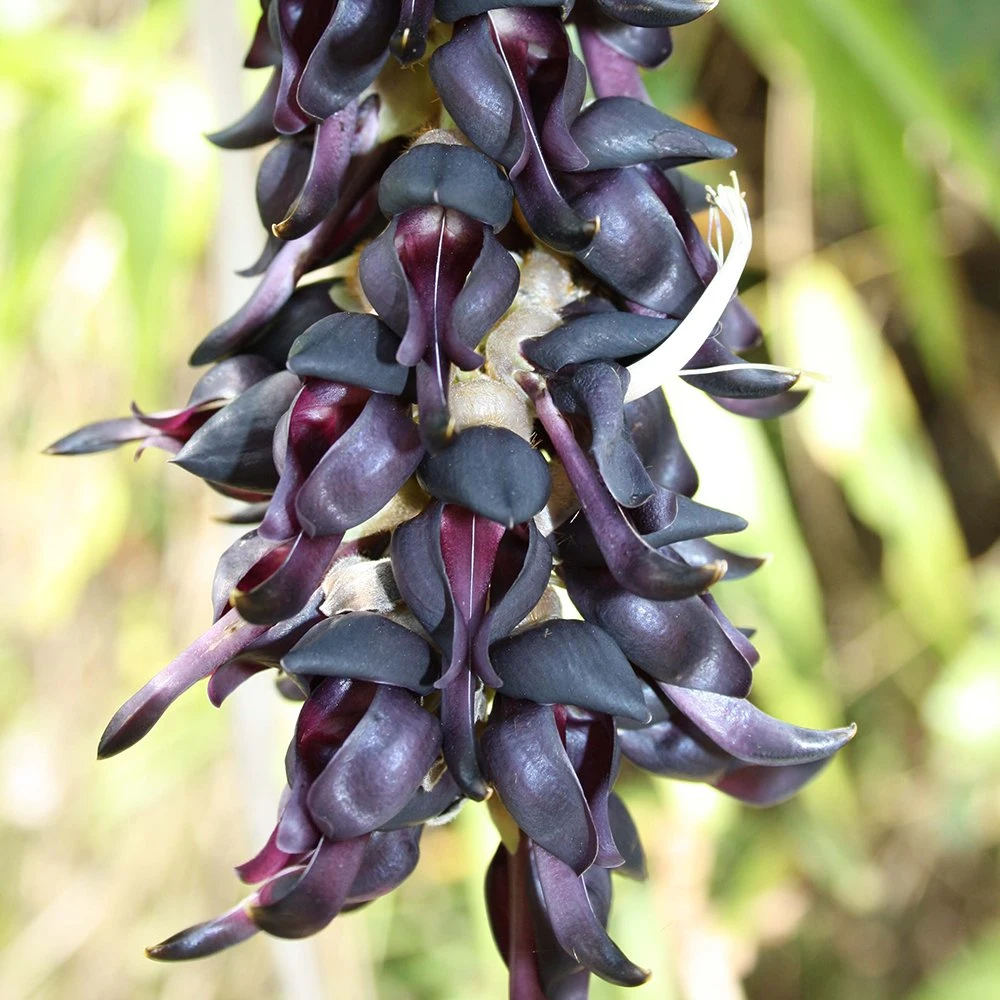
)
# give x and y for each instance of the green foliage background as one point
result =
(869, 133)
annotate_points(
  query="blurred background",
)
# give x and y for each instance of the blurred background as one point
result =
(869, 133)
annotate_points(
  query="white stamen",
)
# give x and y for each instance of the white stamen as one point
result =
(700, 323)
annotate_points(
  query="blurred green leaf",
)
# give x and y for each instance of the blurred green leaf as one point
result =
(973, 974)
(863, 428)
(881, 101)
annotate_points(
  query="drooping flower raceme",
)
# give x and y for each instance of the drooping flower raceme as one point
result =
(474, 558)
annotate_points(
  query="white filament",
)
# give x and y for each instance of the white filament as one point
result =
(677, 350)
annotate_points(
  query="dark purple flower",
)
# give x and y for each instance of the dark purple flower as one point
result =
(472, 438)
(437, 275)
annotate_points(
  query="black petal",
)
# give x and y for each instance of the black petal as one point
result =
(491, 471)
(356, 348)
(603, 336)
(569, 663)
(621, 131)
(256, 126)
(453, 176)
(367, 647)
(656, 13)
(655, 436)
(234, 446)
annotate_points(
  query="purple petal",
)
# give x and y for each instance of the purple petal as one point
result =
(409, 40)
(282, 583)
(321, 414)
(633, 563)
(246, 513)
(363, 469)
(389, 859)
(224, 640)
(229, 677)
(418, 569)
(739, 638)
(646, 47)
(527, 764)
(309, 303)
(674, 749)
(699, 551)
(295, 27)
(269, 861)
(557, 138)
(334, 236)
(638, 251)
(317, 897)
(525, 934)
(669, 517)
(427, 805)
(485, 112)
(486, 295)
(262, 52)
(229, 379)
(356, 348)
(280, 177)
(768, 786)
(597, 391)
(234, 447)
(601, 336)
(469, 546)
(321, 187)
(100, 436)
(437, 249)
(378, 768)
(765, 409)
(383, 280)
(656, 13)
(296, 833)
(742, 383)
(458, 718)
(455, 10)
(207, 938)
(740, 331)
(575, 925)
(592, 746)
(233, 566)
(750, 735)
(655, 436)
(498, 900)
(675, 202)
(612, 73)
(327, 717)
(626, 838)
(498, 116)
(679, 642)
(347, 57)
(273, 291)
(511, 601)
(491, 471)
(256, 126)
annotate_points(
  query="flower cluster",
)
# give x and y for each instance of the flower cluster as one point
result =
(475, 560)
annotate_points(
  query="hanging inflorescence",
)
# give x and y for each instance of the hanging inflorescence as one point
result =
(468, 445)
